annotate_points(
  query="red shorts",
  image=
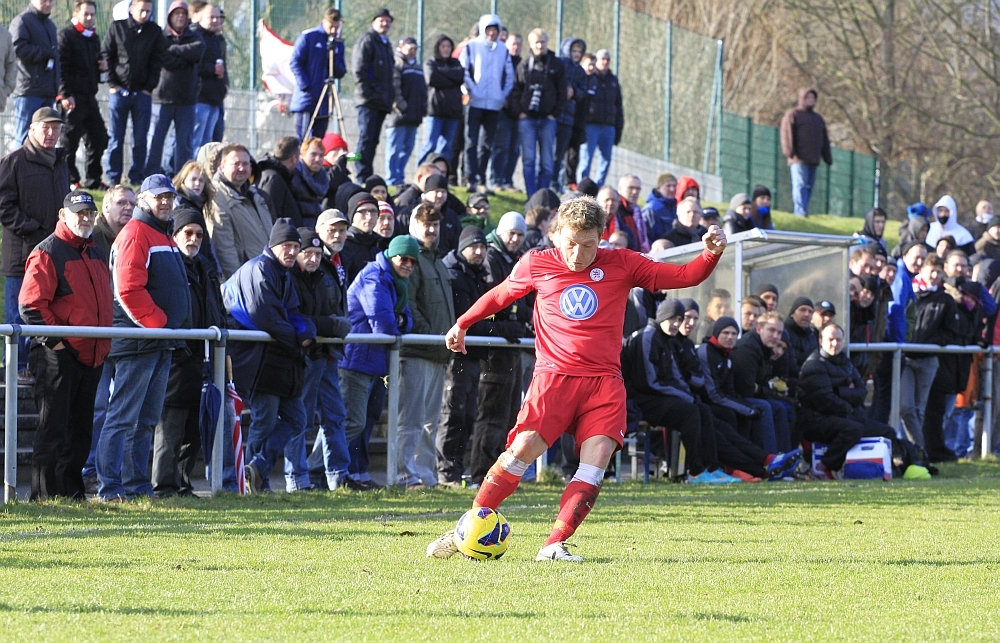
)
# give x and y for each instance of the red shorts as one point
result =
(581, 406)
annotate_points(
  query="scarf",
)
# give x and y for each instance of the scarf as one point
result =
(402, 291)
(48, 157)
(714, 341)
(317, 183)
(920, 285)
(87, 33)
(494, 239)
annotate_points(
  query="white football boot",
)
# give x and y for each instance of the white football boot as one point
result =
(444, 546)
(558, 551)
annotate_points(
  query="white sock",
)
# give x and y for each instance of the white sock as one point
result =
(512, 465)
(590, 474)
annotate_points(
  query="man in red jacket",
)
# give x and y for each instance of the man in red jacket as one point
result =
(66, 283)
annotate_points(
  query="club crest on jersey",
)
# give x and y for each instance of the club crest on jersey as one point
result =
(597, 274)
(578, 302)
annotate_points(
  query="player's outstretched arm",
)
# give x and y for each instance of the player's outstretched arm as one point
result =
(455, 339)
(715, 240)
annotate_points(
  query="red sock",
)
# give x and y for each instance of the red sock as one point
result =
(768, 460)
(576, 502)
(496, 487)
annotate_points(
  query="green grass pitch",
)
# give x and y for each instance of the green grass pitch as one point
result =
(844, 561)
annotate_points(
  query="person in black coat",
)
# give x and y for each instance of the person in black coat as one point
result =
(310, 181)
(176, 439)
(362, 242)
(213, 74)
(444, 76)
(408, 111)
(739, 216)
(81, 62)
(752, 372)
(832, 401)
(801, 333)
(315, 303)
(686, 229)
(602, 115)
(458, 408)
(276, 172)
(373, 67)
(36, 48)
(540, 94)
(176, 94)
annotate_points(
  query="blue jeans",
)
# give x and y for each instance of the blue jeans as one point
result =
(537, 136)
(803, 180)
(11, 315)
(506, 150)
(273, 421)
(762, 429)
(24, 108)
(477, 152)
(959, 427)
(220, 125)
(133, 412)
(121, 105)
(564, 132)
(599, 138)
(440, 137)
(330, 449)
(399, 145)
(296, 467)
(182, 117)
(100, 412)
(914, 387)
(205, 118)
(302, 125)
(369, 129)
(364, 403)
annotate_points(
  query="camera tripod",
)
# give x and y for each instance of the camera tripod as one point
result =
(329, 94)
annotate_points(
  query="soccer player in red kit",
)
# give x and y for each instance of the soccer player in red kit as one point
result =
(577, 386)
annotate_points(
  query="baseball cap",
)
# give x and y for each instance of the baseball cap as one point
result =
(826, 306)
(46, 115)
(78, 201)
(157, 184)
(331, 216)
(383, 13)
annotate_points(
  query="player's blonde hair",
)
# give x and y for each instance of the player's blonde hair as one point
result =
(581, 214)
(769, 317)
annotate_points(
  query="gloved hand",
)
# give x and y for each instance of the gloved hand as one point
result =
(342, 326)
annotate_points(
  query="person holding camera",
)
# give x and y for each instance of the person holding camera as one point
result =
(311, 65)
(540, 89)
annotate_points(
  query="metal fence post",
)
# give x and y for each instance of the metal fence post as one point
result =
(897, 368)
(493, 8)
(390, 451)
(10, 419)
(666, 91)
(220, 442)
(420, 29)
(987, 397)
(618, 30)
(559, 21)
(716, 96)
(253, 76)
(718, 106)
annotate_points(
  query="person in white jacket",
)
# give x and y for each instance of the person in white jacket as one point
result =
(489, 77)
(946, 224)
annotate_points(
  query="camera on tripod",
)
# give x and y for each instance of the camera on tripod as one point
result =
(536, 97)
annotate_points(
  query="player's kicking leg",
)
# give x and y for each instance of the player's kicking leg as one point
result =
(578, 498)
(500, 482)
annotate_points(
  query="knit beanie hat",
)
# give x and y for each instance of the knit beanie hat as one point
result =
(722, 323)
(668, 309)
(760, 190)
(283, 230)
(766, 288)
(471, 235)
(512, 221)
(186, 216)
(373, 181)
(309, 238)
(690, 304)
(358, 200)
(403, 245)
(436, 182)
(800, 301)
(588, 187)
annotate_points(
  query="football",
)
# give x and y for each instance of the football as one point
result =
(482, 534)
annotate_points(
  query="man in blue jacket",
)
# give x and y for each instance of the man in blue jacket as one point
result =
(311, 66)
(260, 295)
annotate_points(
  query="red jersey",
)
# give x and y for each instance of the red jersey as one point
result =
(579, 316)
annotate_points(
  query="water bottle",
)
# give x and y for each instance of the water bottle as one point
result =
(354, 156)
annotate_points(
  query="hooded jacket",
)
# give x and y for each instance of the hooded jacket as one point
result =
(909, 230)
(489, 75)
(963, 238)
(411, 102)
(659, 214)
(373, 66)
(573, 78)
(733, 222)
(310, 64)
(868, 231)
(444, 78)
(371, 300)
(35, 45)
(684, 184)
(804, 138)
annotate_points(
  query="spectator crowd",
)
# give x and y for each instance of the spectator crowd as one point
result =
(201, 232)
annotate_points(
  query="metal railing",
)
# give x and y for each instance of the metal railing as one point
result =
(897, 350)
(218, 338)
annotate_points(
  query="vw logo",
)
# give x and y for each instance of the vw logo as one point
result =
(578, 302)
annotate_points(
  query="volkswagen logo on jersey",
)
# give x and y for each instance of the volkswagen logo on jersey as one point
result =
(578, 302)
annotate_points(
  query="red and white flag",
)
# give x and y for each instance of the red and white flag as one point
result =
(275, 61)
(234, 405)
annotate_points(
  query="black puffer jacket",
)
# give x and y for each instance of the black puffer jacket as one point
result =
(359, 250)
(444, 78)
(602, 102)
(31, 194)
(78, 58)
(802, 341)
(373, 67)
(213, 89)
(682, 235)
(751, 367)
(276, 182)
(135, 54)
(35, 45)
(830, 385)
(649, 366)
(309, 190)
(180, 80)
(411, 103)
(546, 71)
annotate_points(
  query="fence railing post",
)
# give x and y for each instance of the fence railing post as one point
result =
(668, 71)
(220, 442)
(393, 430)
(897, 369)
(987, 397)
(10, 419)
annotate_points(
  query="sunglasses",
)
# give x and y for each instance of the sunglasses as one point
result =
(407, 261)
